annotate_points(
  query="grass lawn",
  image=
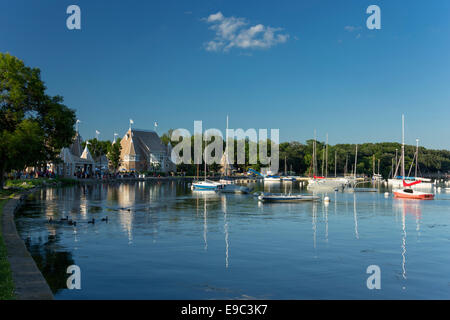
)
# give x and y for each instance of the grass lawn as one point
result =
(6, 282)
(24, 184)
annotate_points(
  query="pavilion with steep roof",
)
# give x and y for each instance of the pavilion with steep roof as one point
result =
(74, 159)
(143, 150)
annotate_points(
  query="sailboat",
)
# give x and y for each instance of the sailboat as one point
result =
(228, 185)
(323, 182)
(206, 185)
(397, 181)
(376, 176)
(287, 178)
(407, 191)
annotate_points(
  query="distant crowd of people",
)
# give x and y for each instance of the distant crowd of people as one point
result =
(32, 174)
(87, 175)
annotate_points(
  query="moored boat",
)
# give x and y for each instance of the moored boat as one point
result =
(272, 179)
(288, 179)
(287, 198)
(412, 194)
(206, 185)
(407, 191)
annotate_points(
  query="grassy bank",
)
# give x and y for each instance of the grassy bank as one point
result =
(24, 184)
(6, 282)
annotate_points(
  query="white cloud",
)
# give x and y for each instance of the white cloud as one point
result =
(215, 17)
(233, 32)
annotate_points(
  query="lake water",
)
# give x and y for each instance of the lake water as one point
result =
(164, 241)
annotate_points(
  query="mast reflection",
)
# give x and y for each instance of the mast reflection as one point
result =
(355, 216)
(225, 228)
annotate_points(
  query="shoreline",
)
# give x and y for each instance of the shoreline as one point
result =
(29, 283)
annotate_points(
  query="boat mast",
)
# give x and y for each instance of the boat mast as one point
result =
(396, 164)
(346, 165)
(335, 163)
(373, 164)
(226, 150)
(314, 154)
(326, 158)
(356, 158)
(392, 168)
(417, 156)
(323, 158)
(403, 146)
(378, 166)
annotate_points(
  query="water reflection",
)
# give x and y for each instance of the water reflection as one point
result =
(225, 228)
(355, 216)
(407, 207)
(314, 225)
(194, 239)
(51, 258)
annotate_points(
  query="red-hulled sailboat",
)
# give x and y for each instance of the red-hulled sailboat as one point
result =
(407, 192)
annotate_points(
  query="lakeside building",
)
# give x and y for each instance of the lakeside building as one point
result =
(143, 150)
(74, 159)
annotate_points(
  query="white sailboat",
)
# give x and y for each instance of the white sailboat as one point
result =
(406, 191)
(228, 185)
(397, 181)
(323, 182)
(376, 176)
(205, 185)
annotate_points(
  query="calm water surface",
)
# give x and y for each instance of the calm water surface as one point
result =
(163, 241)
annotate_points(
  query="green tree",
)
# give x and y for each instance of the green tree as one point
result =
(33, 125)
(114, 154)
(98, 148)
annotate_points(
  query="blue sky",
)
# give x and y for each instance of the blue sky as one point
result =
(322, 69)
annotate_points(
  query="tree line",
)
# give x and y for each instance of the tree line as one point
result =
(296, 158)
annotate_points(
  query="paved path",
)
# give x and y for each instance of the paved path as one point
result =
(28, 280)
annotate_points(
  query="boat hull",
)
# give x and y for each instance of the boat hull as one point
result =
(401, 194)
(281, 198)
(206, 185)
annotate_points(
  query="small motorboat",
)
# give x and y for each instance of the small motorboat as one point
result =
(286, 197)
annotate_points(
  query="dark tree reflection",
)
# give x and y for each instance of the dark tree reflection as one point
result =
(51, 260)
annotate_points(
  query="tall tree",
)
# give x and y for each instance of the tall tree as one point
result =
(114, 154)
(97, 148)
(33, 125)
